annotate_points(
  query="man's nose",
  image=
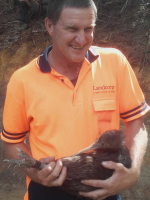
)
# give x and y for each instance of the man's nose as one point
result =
(81, 38)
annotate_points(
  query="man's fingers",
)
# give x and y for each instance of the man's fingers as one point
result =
(44, 173)
(53, 174)
(47, 160)
(112, 165)
(95, 183)
(105, 183)
(59, 181)
(56, 171)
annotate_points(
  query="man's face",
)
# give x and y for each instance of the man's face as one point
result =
(73, 34)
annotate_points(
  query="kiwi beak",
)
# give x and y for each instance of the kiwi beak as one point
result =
(89, 148)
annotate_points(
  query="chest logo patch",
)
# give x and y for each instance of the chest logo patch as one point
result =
(103, 89)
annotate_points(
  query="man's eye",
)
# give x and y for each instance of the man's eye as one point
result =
(72, 29)
(89, 29)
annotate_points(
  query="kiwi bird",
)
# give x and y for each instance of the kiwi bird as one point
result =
(86, 164)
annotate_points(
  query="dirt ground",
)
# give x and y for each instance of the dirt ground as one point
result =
(128, 32)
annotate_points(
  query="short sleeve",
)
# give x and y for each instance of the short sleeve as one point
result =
(132, 101)
(15, 121)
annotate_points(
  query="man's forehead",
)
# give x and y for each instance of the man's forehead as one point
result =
(76, 25)
(71, 13)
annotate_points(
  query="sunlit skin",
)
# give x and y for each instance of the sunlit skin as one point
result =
(71, 38)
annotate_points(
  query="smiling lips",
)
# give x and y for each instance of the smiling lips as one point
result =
(77, 48)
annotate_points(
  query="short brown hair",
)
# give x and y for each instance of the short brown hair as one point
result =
(55, 7)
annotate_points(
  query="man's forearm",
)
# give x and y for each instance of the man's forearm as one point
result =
(136, 140)
(44, 176)
(12, 152)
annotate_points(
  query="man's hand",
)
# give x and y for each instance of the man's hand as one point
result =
(53, 174)
(121, 180)
(38, 1)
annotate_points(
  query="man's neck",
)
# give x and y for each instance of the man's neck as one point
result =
(68, 69)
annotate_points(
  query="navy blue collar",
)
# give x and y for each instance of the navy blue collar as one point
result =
(44, 66)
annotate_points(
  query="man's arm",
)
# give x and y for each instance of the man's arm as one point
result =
(38, 1)
(123, 178)
(52, 175)
(136, 141)
(28, 2)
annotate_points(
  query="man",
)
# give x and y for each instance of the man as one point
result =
(67, 97)
(35, 8)
(24, 6)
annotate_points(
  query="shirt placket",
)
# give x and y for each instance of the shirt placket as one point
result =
(86, 67)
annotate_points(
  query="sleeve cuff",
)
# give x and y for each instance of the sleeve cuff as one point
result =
(13, 137)
(136, 112)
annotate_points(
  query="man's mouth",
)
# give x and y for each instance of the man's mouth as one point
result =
(77, 48)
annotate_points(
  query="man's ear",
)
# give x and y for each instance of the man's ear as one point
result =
(49, 26)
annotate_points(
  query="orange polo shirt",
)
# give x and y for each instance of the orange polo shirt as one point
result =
(62, 119)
